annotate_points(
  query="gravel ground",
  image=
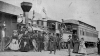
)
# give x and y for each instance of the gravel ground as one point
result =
(43, 53)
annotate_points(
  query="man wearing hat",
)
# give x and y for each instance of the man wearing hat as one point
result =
(52, 43)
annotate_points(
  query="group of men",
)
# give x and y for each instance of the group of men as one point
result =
(33, 40)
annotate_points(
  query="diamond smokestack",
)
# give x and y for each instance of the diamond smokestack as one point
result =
(26, 6)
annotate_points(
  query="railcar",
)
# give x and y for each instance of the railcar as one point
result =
(82, 30)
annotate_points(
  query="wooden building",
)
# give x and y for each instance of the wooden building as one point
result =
(8, 13)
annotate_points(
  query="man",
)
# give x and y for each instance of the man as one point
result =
(52, 43)
(98, 46)
(58, 41)
(69, 45)
(30, 35)
(55, 43)
(33, 39)
(46, 38)
(39, 41)
(42, 39)
(24, 44)
(75, 43)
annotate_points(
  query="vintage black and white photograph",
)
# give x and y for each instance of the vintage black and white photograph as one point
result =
(49, 27)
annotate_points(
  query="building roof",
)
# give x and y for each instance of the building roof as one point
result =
(15, 10)
(11, 9)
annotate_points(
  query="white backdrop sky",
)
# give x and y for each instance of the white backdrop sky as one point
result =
(85, 10)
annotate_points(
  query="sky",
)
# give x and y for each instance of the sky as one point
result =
(87, 11)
